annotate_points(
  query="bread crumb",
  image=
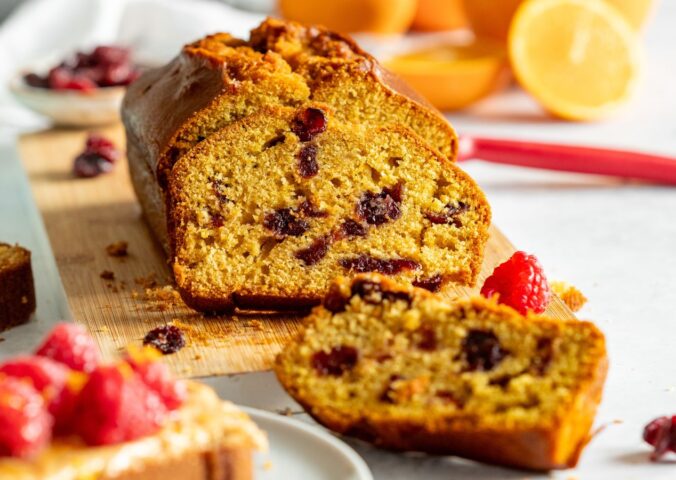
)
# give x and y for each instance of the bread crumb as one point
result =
(24, 299)
(149, 281)
(257, 325)
(197, 357)
(118, 249)
(267, 465)
(287, 412)
(569, 294)
(107, 275)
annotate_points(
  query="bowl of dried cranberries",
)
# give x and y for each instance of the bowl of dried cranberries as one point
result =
(83, 90)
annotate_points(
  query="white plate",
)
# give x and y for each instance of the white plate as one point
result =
(303, 451)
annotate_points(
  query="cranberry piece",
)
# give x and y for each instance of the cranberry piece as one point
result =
(115, 74)
(428, 340)
(284, 222)
(367, 263)
(59, 77)
(309, 123)
(661, 434)
(307, 161)
(433, 284)
(388, 392)
(482, 350)
(334, 301)
(449, 215)
(88, 165)
(35, 80)
(379, 208)
(352, 228)
(109, 54)
(308, 209)
(167, 339)
(544, 351)
(373, 293)
(274, 141)
(216, 220)
(102, 147)
(336, 362)
(315, 252)
(219, 188)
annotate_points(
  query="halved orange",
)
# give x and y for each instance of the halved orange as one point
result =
(579, 58)
(454, 76)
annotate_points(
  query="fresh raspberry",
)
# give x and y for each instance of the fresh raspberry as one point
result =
(157, 376)
(661, 434)
(25, 424)
(116, 406)
(71, 345)
(520, 283)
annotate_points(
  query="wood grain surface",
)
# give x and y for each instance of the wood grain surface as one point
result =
(83, 216)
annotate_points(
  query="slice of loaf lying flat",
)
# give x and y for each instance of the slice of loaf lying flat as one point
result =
(406, 370)
(264, 213)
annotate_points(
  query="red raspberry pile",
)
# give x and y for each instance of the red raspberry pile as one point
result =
(520, 283)
(99, 156)
(64, 390)
(105, 66)
(661, 434)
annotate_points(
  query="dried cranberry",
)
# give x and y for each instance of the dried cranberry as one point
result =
(216, 220)
(482, 350)
(544, 351)
(336, 362)
(103, 147)
(661, 434)
(428, 340)
(88, 165)
(308, 209)
(219, 188)
(315, 252)
(109, 54)
(388, 392)
(449, 215)
(373, 293)
(309, 123)
(352, 228)
(35, 80)
(274, 141)
(334, 301)
(379, 208)
(115, 74)
(167, 339)
(433, 284)
(307, 161)
(284, 222)
(367, 263)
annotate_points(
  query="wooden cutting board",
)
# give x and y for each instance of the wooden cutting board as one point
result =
(83, 216)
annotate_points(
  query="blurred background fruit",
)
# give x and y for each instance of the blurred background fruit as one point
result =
(635, 11)
(350, 16)
(452, 77)
(434, 15)
(491, 18)
(579, 58)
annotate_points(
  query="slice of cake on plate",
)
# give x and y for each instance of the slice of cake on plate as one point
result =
(64, 416)
(406, 370)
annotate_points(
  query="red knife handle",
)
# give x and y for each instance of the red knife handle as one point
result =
(600, 161)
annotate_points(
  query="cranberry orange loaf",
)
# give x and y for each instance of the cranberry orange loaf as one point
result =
(406, 370)
(130, 420)
(219, 79)
(17, 292)
(265, 212)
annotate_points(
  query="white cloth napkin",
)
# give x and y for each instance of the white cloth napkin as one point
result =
(42, 32)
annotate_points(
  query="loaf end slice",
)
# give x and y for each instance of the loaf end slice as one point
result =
(407, 370)
(17, 291)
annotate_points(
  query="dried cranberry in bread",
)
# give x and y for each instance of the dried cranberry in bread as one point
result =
(219, 79)
(17, 291)
(267, 211)
(406, 370)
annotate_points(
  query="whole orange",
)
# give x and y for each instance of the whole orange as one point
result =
(439, 15)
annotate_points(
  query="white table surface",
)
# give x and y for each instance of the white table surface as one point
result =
(615, 240)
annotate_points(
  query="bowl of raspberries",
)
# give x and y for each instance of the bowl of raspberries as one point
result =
(83, 90)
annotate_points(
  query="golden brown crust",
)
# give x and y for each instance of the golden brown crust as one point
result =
(230, 464)
(17, 290)
(163, 108)
(556, 444)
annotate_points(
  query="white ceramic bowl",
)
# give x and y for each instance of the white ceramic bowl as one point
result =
(71, 108)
